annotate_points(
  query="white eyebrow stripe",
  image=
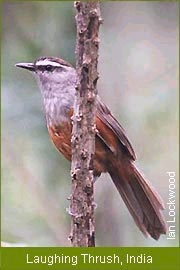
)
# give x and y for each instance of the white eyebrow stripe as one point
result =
(47, 62)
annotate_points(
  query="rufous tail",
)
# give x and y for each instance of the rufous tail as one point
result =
(142, 201)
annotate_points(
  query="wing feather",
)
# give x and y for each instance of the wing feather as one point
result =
(104, 114)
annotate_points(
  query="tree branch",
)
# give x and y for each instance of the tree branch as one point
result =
(84, 128)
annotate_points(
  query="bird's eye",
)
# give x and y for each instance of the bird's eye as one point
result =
(49, 68)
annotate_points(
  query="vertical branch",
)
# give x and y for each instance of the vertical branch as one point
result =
(84, 129)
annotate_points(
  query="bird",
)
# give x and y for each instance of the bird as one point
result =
(114, 153)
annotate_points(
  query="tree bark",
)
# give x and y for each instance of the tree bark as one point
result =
(84, 128)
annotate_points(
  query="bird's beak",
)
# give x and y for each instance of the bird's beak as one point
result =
(28, 66)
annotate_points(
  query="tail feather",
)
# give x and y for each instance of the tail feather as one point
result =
(142, 201)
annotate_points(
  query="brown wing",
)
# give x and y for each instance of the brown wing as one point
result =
(104, 114)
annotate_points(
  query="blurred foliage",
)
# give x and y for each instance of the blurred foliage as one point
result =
(138, 68)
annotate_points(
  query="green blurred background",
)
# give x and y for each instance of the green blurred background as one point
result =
(138, 67)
